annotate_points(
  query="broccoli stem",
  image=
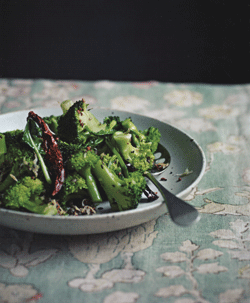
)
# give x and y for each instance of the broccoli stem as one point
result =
(3, 148)
(65, 105)
(43, 209)
(110, 183)
(128, 125)
(135, 140)
(91, 184)
(120, 159)
(10, 179)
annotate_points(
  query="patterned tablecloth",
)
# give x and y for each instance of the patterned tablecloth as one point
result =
(156, 261)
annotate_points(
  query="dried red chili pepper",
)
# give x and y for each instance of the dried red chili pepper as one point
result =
(53, 153)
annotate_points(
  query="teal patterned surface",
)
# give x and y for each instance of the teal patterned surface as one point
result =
(156, 261)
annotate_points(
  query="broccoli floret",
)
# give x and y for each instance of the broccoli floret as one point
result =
(52, 122)
(99, 160)
(113, 122)
(112, 163)
(153, 135)
(74, 187)
(65, 105)
(28, 193)
(17, 159)
(78, 123)
(137, 147)
(137, 136)
(68, 149)
(82, 162)
(3, 148)
(123, 194)
(141, 157)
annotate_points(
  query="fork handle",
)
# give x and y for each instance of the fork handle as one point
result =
(181, 212)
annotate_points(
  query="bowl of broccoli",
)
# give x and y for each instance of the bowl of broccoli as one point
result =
(72, 165)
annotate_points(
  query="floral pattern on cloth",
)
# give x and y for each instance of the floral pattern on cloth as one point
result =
(156, 261)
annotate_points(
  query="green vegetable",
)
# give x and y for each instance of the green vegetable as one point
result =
(3, 147)
(150, 135)
(112, 163)
(99, 161)
(140, 157)
(33, 137)
(65, 105)
(28, 193)
(129, 127)
(77, 123)
(153, 136)
(74, 187)
(17, 159)
(113, 122)
(115, 152)
(52, 122)
(137, 147)
(123, 194)
(68, 149)
(82, 163)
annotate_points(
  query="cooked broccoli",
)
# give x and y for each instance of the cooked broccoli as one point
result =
(152, 135)
(99, 161)
(74, 187)
(52, 122)
(83, 162)
(115, 151)
(123, 194)
(68, 149)
(28, 193)
(17, 159)
(113, 122)
(141, 157)
(3, 148)
(130, 127)
(65, 105)
(112, 163)
(78, 123)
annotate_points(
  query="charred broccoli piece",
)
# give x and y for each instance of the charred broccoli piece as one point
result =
(78, 123)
